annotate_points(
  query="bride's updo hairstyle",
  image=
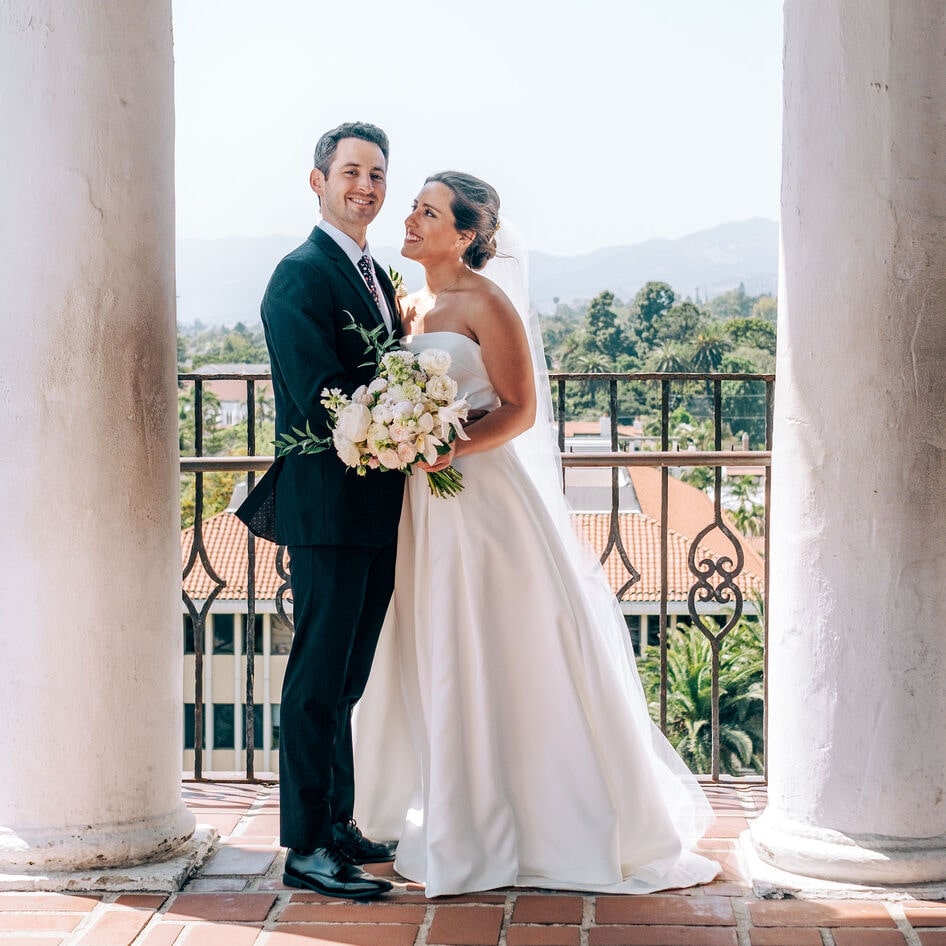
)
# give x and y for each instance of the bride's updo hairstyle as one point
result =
(475, 207)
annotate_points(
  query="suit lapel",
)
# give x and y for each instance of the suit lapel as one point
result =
(370, 314)
(387, 287)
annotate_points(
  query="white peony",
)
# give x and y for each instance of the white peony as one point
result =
(434, 361)
(347, 451)
(352, 422)
(381, 413)
(412, 392)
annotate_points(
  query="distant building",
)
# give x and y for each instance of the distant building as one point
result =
(231, 392)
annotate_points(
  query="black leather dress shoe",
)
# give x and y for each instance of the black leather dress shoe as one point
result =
(329, 872)
(361, 850)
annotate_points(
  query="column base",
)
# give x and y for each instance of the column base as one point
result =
(867, 859)
(167, 876)
(45, 850)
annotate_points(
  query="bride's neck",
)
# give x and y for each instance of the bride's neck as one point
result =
(443, 277)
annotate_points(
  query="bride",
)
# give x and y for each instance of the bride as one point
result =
(504, 736)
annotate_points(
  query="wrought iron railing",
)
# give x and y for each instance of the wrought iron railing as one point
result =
(714, 581)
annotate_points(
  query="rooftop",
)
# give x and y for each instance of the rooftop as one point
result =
(237, 899)
(690, 511)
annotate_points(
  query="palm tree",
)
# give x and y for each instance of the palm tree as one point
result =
(669, 357)
(709, 348)
(689, 697)
(748, 515)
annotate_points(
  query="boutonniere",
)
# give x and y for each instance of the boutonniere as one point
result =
(397, 280)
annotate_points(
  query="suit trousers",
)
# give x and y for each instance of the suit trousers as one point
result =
(340, 596)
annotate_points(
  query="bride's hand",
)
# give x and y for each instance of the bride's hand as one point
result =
(443, 461)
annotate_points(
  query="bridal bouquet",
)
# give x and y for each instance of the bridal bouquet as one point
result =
(408, 412)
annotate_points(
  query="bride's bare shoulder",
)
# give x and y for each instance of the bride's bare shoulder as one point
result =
(492, 300)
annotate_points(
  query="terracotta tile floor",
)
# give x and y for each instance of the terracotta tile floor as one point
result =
(237, 899)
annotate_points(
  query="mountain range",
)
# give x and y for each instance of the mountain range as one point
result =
(220, 282)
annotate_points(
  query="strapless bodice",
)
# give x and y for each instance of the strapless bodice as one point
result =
(466, 367)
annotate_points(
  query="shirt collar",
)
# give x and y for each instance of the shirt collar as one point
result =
(351, 249)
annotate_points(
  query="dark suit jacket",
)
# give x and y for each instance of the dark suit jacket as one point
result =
(317, 499)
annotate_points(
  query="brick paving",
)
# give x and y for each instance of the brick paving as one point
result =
(237, 899)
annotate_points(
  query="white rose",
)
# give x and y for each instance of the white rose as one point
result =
(442, 388)
(434, 361)
(401, 432)
(389, 458)
(353, 421)
(404, 409)
(379, 384)
(377, 432)
(347, 452)
(360, 394)
(406, 453)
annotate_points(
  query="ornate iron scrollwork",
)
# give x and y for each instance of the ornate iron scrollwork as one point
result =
(726, 591)
(282, 569)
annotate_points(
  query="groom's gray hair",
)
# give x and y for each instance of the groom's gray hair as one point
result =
(328, 143)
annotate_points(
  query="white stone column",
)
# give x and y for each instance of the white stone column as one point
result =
(90, 612)
(857, 664)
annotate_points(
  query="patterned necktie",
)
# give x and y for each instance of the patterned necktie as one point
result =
(364, 265)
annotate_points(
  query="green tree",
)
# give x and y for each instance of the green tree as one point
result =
(602, 329)
(743, 402)
(765, 307)
(689, 696)
(599, 346)
(748, 515)
(218, 488)
(670, 357)
(732, 304)
(199, 345)
(751, 333)
(213, 434)
(680, 323)
(708, 349)
(652, 301)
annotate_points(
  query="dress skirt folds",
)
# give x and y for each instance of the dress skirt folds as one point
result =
(504, 737)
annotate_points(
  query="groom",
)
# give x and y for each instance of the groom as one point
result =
(340, 529)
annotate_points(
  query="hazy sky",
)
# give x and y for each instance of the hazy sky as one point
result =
(600, 122)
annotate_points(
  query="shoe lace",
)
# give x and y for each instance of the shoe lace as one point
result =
(354, 830)
(342, 855)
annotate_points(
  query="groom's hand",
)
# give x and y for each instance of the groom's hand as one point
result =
(473, 416)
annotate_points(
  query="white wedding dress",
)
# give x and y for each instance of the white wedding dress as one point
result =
(504, 737)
